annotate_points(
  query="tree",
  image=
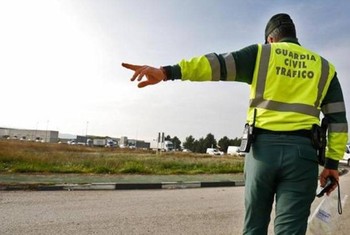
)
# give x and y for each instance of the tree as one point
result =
(236, 142)
(176, 142)
(200, 146)
(189, 143)
(210, 141)
(224, 142)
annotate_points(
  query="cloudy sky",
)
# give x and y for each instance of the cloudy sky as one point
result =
(60, 62)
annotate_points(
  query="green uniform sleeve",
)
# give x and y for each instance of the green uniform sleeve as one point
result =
(333, 108)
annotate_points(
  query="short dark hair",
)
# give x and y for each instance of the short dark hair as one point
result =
(280, 26)
(282, 32)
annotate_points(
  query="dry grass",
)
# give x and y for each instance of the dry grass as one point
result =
(31, 157)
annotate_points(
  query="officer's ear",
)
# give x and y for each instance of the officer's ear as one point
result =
(270, 40)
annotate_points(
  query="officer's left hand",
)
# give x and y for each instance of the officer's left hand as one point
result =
(329, 173)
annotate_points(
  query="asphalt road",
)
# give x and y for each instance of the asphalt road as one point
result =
(182, 211)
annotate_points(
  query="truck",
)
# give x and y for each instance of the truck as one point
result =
(165, 146)
(99, 142)
(168, 146)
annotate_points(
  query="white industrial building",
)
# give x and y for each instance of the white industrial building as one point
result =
(48, 136)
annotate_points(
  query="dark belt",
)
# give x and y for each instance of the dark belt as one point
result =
(302, 133)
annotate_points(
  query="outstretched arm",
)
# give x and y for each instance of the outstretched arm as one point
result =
(153, 75)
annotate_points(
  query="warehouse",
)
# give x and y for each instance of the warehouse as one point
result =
(30, 135)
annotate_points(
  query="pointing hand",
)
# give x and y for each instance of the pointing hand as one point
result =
(153, 75)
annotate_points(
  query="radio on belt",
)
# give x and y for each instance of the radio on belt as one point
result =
(248, 136)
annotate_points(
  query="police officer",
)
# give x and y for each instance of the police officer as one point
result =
(290, 86)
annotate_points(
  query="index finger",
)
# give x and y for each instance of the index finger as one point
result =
(131, 66)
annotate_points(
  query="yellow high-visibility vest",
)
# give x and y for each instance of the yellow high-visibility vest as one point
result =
(288, 87)
(287, 90)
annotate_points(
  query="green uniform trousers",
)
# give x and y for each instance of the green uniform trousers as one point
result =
(284, 168)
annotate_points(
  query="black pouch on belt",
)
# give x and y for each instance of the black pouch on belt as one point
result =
(319, 140)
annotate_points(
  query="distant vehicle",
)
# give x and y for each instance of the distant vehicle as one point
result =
(75, 142)
(165, 146)
(234, 150)
(346, 157)
(214, 151)
(99, 142)
(110, 143)
(39, 140)
(71, 142)
(89, 142)
(168, 146)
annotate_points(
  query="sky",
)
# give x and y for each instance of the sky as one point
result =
(60, 62)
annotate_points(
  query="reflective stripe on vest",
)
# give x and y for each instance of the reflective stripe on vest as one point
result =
(338, 127)
(336, 107)
(215, 66)
(260, 102)
(230, 66)
(323, 81)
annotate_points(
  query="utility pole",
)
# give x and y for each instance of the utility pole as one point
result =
(46, 132)
(86, 130)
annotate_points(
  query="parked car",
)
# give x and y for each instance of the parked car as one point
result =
(71, 142)
(346, 157)
(214, 151)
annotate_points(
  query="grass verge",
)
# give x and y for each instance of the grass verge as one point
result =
(31, 157)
